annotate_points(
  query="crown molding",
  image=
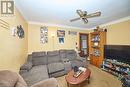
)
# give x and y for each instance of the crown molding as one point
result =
(57, 25)
(116, 21)
(79, 28)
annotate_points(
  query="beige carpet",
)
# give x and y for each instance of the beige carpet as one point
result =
(98, 78)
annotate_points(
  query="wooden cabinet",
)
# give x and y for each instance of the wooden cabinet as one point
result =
(96, 48)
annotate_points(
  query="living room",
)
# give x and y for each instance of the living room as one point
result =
(45, 27)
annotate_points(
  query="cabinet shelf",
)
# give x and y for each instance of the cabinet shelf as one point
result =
(96, 47)
(115, 67)
(97, 42)
(120, 65)
(95, 33)
(115, 74)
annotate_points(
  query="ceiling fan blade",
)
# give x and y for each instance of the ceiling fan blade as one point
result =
(96, 14)
(80, 13)
(74, 19)
(85, 20)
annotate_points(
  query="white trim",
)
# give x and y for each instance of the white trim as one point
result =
(116, 21)
(57, 25)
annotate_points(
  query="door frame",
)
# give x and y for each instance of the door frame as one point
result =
(87, 34)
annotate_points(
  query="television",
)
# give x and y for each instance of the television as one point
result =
(120, 53)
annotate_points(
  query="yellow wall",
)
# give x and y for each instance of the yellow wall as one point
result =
(34, 39)
(119, 33)
(13, 51)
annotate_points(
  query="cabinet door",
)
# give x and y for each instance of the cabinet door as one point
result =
(91, 59)
(100, 62)
(96, 61)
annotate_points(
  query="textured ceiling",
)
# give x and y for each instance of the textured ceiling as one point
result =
(59, 12)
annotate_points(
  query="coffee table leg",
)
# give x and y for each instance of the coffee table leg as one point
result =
(88, 79)
(67, 84)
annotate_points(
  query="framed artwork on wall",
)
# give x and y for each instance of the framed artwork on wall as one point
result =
(20, 31)
(43, 35)
(60, 33)
(61, 40)
(72, 32)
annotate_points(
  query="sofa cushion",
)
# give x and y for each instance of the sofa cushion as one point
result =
(53, 56)
(26, 66)
(22, 71)
(71, 54)
(20, 82)
(8, 78)
(63, 54)
(39, 58)
(38, 54)
(36, 74)
(51, 82)
(55, 67)
(29, 59)
(77, 63)
(57, 74)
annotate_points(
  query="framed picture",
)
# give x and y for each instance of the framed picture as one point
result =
(43, 35)
(60, 33)
(61, 40)
(72, 32)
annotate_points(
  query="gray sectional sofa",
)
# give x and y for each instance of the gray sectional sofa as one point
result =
(43, 65)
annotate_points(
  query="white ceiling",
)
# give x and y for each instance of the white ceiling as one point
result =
(59, 12)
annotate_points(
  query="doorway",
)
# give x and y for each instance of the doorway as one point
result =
(84, 44)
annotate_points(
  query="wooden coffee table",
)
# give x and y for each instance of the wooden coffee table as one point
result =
(71, 80)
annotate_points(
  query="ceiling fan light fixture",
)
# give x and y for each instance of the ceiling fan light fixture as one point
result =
(83, 15)
(85, 20)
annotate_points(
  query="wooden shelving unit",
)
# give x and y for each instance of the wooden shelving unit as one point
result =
(116, 68)
(97, 42)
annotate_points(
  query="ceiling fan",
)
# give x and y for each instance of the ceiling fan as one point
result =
(83, 16)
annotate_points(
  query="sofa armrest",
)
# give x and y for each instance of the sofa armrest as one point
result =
(81, 59)
(51, 82)
(22, 71)
(20, 82)
(65, 60)
(26, 66)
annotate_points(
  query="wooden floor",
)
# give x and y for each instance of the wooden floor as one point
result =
(98, 78)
